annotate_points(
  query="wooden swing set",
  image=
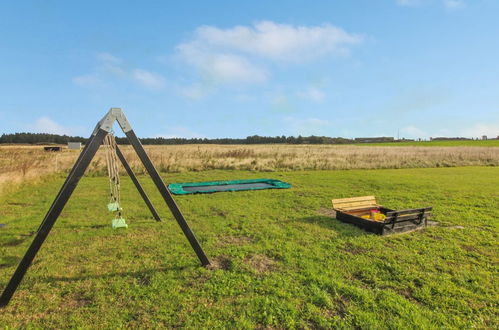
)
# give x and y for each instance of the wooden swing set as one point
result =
(103, 133)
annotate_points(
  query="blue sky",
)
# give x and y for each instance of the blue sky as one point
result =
(231, 68)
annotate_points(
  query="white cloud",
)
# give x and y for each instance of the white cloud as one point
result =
(114, 70)
(280, 42)
(313, 94)
(479, 129)
(195, 91)
(111, 68)
(148, 79)
(88, 80)
(408, 2)
(109, 58)
(47, 125)
(238, 55)
(454, 4)
(448, 4)
(222, 67)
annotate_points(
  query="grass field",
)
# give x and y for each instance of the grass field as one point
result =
(279, 260)
(450, 143)
(27, 163)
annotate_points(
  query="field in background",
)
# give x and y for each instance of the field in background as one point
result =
(449, 143)
(279, 259)
(25, 163)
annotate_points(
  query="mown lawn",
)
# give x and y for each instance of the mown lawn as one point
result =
(279, 261)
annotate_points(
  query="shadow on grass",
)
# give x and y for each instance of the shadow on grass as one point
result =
(330, 223)
(8, 261)
(105, 224)
(9, 239)
(140, 275)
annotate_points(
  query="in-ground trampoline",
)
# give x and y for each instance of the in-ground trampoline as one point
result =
(231, 185)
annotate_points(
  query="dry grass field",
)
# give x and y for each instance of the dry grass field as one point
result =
(21, 163)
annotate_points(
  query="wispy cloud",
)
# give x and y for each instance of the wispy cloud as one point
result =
(314, 94)
(243, 54)
(148, 79)
(222, 67)
(279, 42)
(195, 91)
(88, 80)
(109, 58)
(47, 125)
(448, 4)
(477, 130)
(408, 2)
(454, 4)
(110, 67)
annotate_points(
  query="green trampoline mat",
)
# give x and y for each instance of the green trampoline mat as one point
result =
(232, 185)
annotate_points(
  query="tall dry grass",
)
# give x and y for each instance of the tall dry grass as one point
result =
(21, 163)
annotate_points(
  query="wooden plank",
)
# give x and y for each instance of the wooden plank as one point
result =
(366, 202)
(354, 199)
(354, 202)
(353, 205)
(357, 209)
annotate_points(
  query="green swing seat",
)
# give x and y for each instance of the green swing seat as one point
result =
(113, 207)
(119, 223)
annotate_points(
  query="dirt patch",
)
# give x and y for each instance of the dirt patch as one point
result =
(341, 306)
(407, 294)
(76, 300)
(144, 279)
(327, 212)
(220, 262)
(260, 263)
(469, 248)
(232, 240)
(219, 212)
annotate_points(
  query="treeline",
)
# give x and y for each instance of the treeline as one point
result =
(255, 139)
(39, 138)
(42, 138)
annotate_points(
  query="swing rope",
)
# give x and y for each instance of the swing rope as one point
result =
(114, 181)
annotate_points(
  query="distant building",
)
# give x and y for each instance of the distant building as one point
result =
(484, 137)
(74, 145)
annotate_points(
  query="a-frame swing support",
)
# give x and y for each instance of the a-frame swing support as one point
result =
(103, 127)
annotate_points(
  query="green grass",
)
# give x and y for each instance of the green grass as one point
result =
(455, 143)
(281, 264)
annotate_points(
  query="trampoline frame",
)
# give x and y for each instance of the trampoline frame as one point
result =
(235, 185)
